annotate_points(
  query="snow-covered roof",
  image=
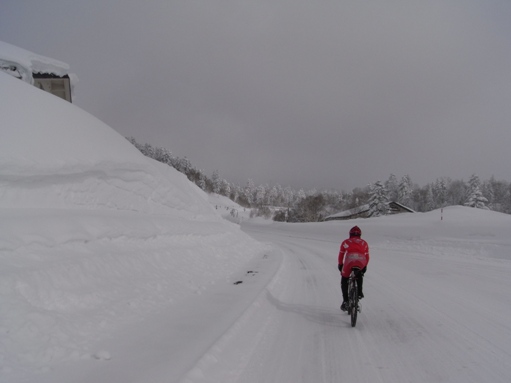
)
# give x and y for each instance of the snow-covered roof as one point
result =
(363, 209)
(22, 64)
(403, 207)
(349, 213)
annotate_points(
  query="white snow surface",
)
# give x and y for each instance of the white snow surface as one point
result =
(115, 268)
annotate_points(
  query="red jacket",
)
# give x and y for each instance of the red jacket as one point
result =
(354, 252)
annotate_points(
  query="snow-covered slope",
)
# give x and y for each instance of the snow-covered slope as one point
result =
(56, 155)
(93, 235)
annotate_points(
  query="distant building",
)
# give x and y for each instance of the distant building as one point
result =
(50, 75)
(397, 208)
(59, 86)
(363, 212)
(357, 212)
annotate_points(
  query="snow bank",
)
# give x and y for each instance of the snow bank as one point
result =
(93, 235)
(53, 154)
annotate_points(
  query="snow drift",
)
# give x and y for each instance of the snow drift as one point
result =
(93, 235)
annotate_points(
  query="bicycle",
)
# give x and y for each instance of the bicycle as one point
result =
(353, 306)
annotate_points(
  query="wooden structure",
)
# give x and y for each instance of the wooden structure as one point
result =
(363, 212)
(357, 212)
(58, 86)
(397, 208)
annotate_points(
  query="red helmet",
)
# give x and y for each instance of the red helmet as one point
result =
(355, 231)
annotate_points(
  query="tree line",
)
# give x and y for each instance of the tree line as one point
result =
(287, 204)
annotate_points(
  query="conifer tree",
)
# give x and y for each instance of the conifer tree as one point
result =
(378, 200)
(216, 182)
(430, 203)
(272, 196)
(440, 192)
(392, 187)
(225, 188)
(249, 192)
(260, 193)
(405, 190)
(475, 197)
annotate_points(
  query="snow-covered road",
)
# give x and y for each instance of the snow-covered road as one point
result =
(437, 309)
(433, 313)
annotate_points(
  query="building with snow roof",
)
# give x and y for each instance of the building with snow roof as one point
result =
(363, 211)
(50, 75)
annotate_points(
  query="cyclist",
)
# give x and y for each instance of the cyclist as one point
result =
(354, 252)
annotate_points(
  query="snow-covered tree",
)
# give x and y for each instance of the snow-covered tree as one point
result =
(235, 193)
(440, 192)
(249, 192)
(216, 182)
(225, 188)
(148, 151)
(456, 192)
(378, 200)
(497, 193)
(507, 201)
(487, 190)
(430, 202)
(260, 194)
(392, 187)
(162, 155)
(184, 165)
(475, 197)
(272, 196)
(201, 181)
(288, 196)
(279, 196)
(405, 190)
(474, 181)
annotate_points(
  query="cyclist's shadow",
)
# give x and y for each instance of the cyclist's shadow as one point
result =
(316, 314)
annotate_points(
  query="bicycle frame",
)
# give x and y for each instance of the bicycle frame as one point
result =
(353, 307)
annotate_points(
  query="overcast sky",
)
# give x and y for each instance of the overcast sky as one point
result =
(330, 94)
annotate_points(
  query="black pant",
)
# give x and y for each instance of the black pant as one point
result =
(360, 281)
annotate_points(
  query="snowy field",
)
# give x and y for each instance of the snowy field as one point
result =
(115, 268)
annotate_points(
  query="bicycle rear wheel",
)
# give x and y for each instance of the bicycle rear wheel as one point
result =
(353, 307)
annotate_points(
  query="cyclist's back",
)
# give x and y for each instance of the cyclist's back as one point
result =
(354, 252)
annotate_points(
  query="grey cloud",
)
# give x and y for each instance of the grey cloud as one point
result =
(335, 94)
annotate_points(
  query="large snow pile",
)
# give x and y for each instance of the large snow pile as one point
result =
(93, 235)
